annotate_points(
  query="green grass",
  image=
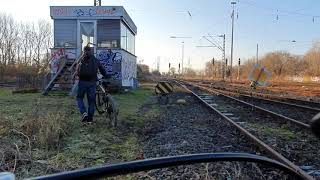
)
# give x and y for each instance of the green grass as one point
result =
(46, 120)
(281, 132)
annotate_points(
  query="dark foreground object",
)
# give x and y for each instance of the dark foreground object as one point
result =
(315, 125)
(164, 162)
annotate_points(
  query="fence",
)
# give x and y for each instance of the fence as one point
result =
(29, 81)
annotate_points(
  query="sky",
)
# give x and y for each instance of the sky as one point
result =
(272, 24)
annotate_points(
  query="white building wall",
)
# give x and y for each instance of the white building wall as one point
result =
(128, 69)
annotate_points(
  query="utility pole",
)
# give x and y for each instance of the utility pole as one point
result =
(232, 16)
(182, 57)
(238, 78)
(226, 69)
(223, 54)
(257, 56)
(213, 69)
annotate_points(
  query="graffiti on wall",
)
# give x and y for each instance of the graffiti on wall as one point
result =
(56, 55)
(119, 64)
(83, 11)
(129, 69)
(111, 61)
(93, 12)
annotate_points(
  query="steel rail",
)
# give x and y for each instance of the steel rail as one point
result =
(260, 97)
(254, 106)
(254, 139)
(286, 103)
(312, 103)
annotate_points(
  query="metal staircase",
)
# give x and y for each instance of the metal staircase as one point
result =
(63, 79)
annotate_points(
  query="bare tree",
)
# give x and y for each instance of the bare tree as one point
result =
(247, 66)
(25, 38)
(312, 60)
(276, 61)
(190, 73)
(23, 45)
(8, 34)
(41, 35)
(212, 70)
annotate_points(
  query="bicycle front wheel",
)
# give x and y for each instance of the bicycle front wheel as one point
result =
(100, 101)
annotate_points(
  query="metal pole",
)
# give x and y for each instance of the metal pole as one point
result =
(238, 70)
(224, 56)
(226, 64)
(223, 49)
(233, 3)
(213, 69)
(257, 57)
(182, 57)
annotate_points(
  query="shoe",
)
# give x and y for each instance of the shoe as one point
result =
(84, 117)
(90, 120)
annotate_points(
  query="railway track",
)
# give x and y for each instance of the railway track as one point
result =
(300, 102)
(294, 113)
(290, 144)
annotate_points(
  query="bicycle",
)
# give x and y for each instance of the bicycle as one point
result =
(105, 103)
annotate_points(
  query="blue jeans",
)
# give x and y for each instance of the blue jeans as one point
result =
(88, 88)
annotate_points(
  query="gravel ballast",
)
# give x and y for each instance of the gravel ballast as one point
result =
(189, 128)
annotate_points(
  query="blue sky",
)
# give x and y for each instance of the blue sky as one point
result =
(158, 20)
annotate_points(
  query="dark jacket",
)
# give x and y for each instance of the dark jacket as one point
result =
(97, 66)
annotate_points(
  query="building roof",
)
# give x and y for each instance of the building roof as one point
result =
(92, 12)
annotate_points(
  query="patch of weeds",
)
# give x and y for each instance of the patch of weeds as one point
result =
(273, 131)
(47, 130)
(67, 161)
(127, 150)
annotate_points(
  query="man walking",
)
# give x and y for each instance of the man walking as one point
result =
(87, 70)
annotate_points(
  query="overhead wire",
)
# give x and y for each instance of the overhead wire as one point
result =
(278, 10)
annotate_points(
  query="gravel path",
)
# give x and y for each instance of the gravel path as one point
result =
(192, 128)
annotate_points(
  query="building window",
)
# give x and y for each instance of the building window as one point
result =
(108, 44)
(123, 36)
(108, 33)
(127, 39)
(114, 43)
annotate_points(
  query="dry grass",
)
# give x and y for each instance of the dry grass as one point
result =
(46, 131)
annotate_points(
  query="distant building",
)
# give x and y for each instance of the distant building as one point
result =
(109, 28)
